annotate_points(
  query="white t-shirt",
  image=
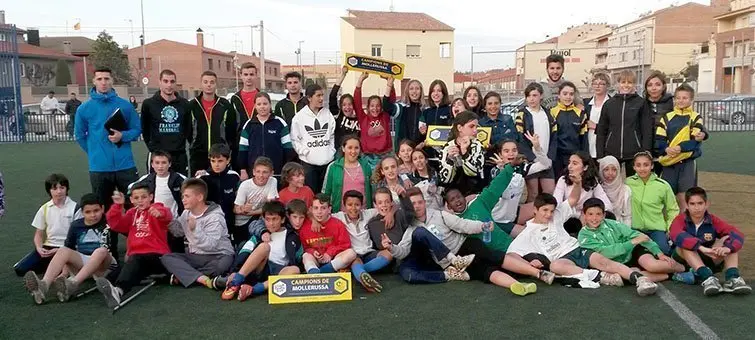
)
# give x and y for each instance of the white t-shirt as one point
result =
(592, 138)
(550, 240)
(358, 233)
(278, 248)
(55, 221)
(249, 192)
(542, 128)
(164, 195)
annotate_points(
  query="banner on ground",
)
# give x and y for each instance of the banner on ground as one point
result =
(437, 135)
(309, 288)
(381, 67)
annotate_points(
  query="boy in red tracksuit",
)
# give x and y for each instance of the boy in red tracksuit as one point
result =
(375, 124)
(146, 225)
(326, 242)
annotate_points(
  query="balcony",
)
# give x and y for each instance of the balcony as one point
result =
(736, 5)
(737, 61)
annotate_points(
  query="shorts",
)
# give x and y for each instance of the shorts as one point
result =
(681, 177)
(369, 256)
(85, 259)
(580, 257)
(707, 261)
(273, 268)
(637, 252)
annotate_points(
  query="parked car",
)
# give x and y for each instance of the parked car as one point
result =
(39, 123)
(735, 110)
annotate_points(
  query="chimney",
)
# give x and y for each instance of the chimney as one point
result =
(67, 48)
(32, 36)
(200, 37)
(2, 17)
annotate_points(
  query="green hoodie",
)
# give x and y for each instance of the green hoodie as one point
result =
(481, 207)
(333, 185)
(649, 201)
(613, 240)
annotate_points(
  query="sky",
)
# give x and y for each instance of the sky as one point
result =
(488, 25)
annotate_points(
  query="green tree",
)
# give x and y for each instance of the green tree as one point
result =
(63, 74)
(107, 53)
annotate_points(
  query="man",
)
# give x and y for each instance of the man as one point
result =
(243, 101)
(214, 121)
(49, 106)
(313, 137)
(166, 123)
(294, 101)
(554, 65)
(71, 106)
(111, 162)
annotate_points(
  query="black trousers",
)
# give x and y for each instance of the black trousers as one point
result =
(179, 162)
(105, 183)
(314, 176)
(198, 160)
(486, 261)
(137, 268)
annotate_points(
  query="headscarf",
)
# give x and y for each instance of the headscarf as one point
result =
(615, 190)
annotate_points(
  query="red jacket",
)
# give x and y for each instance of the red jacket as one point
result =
(373, 144)
(146, 234)
(686, 235)
(332, 238)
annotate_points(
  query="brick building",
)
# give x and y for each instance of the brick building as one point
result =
(732, 49)
(273, 72)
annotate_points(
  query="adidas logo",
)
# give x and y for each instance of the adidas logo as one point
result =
(317, 131)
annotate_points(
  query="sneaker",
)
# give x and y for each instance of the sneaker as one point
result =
(36, 287)
(546, 276)
(737, 286)
(65, 288)
(454, 274)
(369, 283)
(219, 282)
(174, 281)
(245, 291)
(462, 262)
(607, 279)
(522, 289)
(111, 293)
(645, 286)
(687, 278)
(711, 286)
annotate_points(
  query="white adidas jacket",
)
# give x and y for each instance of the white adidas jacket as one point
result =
(313, 136)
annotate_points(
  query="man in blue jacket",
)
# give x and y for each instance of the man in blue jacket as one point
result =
(111, 162)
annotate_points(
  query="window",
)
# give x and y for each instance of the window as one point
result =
(147, 65)
(634, 55)
(275, 71)
(209, 62)
(412, 51)
(22, 70)
(3, 37)
(623, 56)
(218, 64)
(624, 40)
(705, 49)
(377, 50)
(445, 50)
(228, 66)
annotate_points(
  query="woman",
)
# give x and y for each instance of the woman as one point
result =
(386, 176)
(406, 113)
(375, 124)
(348, 173)
(426, 179)
(618, 192)
(661, 103)
(534, 120)
(132, 100)
(463, 157)
(473, 101)
(580, 164)
(343, 110)
(594, 107)
(457, 107)
(501, 125)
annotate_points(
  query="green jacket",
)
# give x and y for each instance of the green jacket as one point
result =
(613, 240)
(481, 207)
(333, 185)
(649, 201)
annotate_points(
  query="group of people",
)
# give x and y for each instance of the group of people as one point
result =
(580, 191)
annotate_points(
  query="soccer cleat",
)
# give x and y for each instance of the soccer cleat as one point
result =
(111, 293)
(522, 289)
(687, 278)
(645, 286)
(454, 274)
(462, 262)
(219, 282)
(65, 288)
(229, 293)
(737, 286)
(174, 281)
(369, 283)
(245, 291)
(711, 286)
(36, 287)
(614, 279)
(546, 276)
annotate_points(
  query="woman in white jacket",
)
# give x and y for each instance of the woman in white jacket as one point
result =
(618, 192)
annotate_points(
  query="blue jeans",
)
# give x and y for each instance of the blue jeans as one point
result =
(661, 239)
(32, 262)
(419, 266)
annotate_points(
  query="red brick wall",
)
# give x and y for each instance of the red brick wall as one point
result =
(691, 23)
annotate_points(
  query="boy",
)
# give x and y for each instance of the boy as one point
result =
(551, 248)
(51, 223)
(708, 244)
(292, 182)
(222, 182)
(210, 113)
(252, 195)
(678, 140)
(277, 251)
(295, 99)
(88, 251)
(621, 243)
(313, 137)
(264, 135)
(329, 249)
(243, 101)
(146, 225)
(166, 184)
(209, 249)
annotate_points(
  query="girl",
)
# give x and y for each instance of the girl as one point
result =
(463, 157)
(613, 184)
(343, 110)
(439, 110)
(457, 107)
(348, 173)
(580, 164)
(132, 100)
(534, 120)
(594, 108)
(502, 126)
(653, 202)
(426, 179)
(386, 176)
(292, 181)
(264, 135)
(472, 101)
(571, 127)
(407, 112)
(660, 103)
(375, 125)
(405, 165)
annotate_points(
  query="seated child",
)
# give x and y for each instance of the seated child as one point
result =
(146, 225)
(707, 244)
(621, 243)
(329, 249)
(274, 249)
(292, 180)
(251, 196)
(222, 183)
(51, 224)
(209, 251)
(87, 251)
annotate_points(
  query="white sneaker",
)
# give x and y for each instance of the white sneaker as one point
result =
(111, 293)
(614, 279)
(711, 286)
(462, 262)
(645, 286)
(453, 274)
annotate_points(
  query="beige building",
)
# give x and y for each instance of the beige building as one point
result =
(424, 44)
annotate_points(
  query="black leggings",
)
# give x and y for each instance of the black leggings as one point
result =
(137, 268)
(486, 261)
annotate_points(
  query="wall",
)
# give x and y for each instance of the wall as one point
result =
(41, 72)
(706, 78)
(181, 58)
(692, 23)
(672, 58)
(577, 64)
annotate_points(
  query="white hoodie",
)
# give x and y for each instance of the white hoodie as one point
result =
(313, 136)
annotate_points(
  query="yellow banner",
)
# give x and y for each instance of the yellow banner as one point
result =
(381, 67)
(309, 288)
(437, 135)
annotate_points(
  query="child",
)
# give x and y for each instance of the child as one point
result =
(146, 225)
(612, 182)
(534, 120)
(619, 242)
(88, 251)
(328, 250)
(580, 164)
(375, 125)
(571, 127)
(405, 165)
(678, 140)
(222, 182)
(51, 224)
(473, 101)
(438, 111)
(343, 110)
(502, 125)
(292, 180)
(426, 179)
(653, 203)
(252, 195)
(708, 244)
(313, 137)
(264, 135)
(457, 106)
(166, 184)
(407, 112)
(626, 124)
(209, 249)
(386, 176)
(214, 120)
(349, 172)
(463, 157)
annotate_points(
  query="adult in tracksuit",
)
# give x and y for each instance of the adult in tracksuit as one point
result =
(243, 101)
(295, 100)
(214, 121)
(660, 102)
(166, 123)
(264, 135)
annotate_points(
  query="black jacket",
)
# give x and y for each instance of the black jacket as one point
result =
(166, 125)
(243, 113)
(286, 109)
(175, 180)
(294, 249)
(71, 106)
(221, 189)
(625, 127)
(344, 125)
(525, 123)
(222, 128)
(661, 107)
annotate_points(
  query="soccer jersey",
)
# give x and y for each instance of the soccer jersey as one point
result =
(550, 240)
(55, 221)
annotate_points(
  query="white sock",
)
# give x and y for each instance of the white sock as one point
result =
(450, 257)
(337, 264)
(309, 264)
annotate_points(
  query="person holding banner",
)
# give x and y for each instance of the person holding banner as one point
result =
(407, 112)
(375, 125)
(439, 108)
(501, 125)
(343, 110)
(463, 157)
